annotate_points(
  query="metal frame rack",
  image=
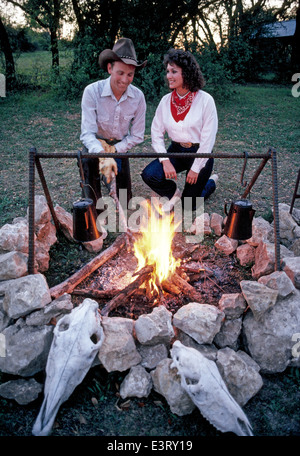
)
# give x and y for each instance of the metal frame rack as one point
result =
(35, 163)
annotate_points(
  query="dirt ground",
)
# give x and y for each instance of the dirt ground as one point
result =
(96, 409)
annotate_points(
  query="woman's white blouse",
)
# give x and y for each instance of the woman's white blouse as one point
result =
(199, 126)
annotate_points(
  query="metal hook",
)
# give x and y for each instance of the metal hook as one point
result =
(244, 183)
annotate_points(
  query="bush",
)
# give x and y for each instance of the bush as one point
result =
(216, 75)
(151, 80)
(237, 56)
(83, 70)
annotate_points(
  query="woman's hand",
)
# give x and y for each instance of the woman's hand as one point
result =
(169, 170)
(191, 177)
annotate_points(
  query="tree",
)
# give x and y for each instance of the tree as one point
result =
(8, 55)
(47, 15)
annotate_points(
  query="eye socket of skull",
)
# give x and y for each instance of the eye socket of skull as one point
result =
(63, 327)
(94, 338)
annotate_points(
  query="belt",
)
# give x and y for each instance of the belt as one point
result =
(110, 142)
(186, 145)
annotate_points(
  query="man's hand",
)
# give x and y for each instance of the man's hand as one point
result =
(191, 177)
(107, 148)
(107, 166)
(169, 169)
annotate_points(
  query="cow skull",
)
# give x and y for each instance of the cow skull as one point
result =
(201, 379)
(70, 357)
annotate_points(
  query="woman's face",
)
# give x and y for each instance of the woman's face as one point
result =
(174, 77)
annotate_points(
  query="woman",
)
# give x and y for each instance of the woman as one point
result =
(189, 117)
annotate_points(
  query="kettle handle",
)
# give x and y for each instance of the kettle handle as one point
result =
(225, 208)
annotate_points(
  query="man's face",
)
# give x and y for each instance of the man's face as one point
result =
(121, 76)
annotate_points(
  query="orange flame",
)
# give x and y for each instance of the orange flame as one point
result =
(154, 245)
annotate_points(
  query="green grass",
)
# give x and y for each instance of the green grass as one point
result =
(255, 118)
(34, 68)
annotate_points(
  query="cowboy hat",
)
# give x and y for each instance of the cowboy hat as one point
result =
(124, 51)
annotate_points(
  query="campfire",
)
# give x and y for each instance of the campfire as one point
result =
(153, 247)
(153, 266)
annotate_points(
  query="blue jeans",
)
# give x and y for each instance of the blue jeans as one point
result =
(153, 175)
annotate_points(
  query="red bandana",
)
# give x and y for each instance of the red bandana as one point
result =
(181, 106)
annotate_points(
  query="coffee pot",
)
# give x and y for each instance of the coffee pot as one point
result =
(84, 221)
(239, 219)
(84, 212)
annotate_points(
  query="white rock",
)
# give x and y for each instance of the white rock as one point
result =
(55, 309)
(21, 390)
(292, 268)
(200, 321)
(152, 354)
(14, 237)
(138, 383)
(245, 254)
(94, 246)
(280, 281)
(232, 304)
(216, 221)
(229, 333)
(155, 328)
(65, 221)
(13, 265)
(118, 351)
(42, 212)
(265, 258)
(261, 231)
(27, 349)
(25, 295)
(226, 245)
(167, 382)
(242, 380)
(259, 297)
(270, 341)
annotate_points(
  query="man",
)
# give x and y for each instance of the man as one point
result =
(113, 117)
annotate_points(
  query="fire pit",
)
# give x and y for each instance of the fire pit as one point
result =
(126, 281)
(157, 266)
(212, 285)
(203, 275)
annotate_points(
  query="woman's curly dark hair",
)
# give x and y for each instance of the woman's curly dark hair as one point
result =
(192, 76)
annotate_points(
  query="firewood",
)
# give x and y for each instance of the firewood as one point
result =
(160, 293)
(143, 275)
(170, 287)
(69, 284)
(192, 268)
(96, 294)
(187, 289)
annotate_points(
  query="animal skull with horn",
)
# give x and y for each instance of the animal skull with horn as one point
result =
(201, 379)
(70, 357)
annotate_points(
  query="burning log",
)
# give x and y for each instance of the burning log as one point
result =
(143, 275)
(170, 287)
(185, 288)
(69, 284)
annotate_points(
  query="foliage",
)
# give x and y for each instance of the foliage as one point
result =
(151, 80)
(217, 76)
(240, 55)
